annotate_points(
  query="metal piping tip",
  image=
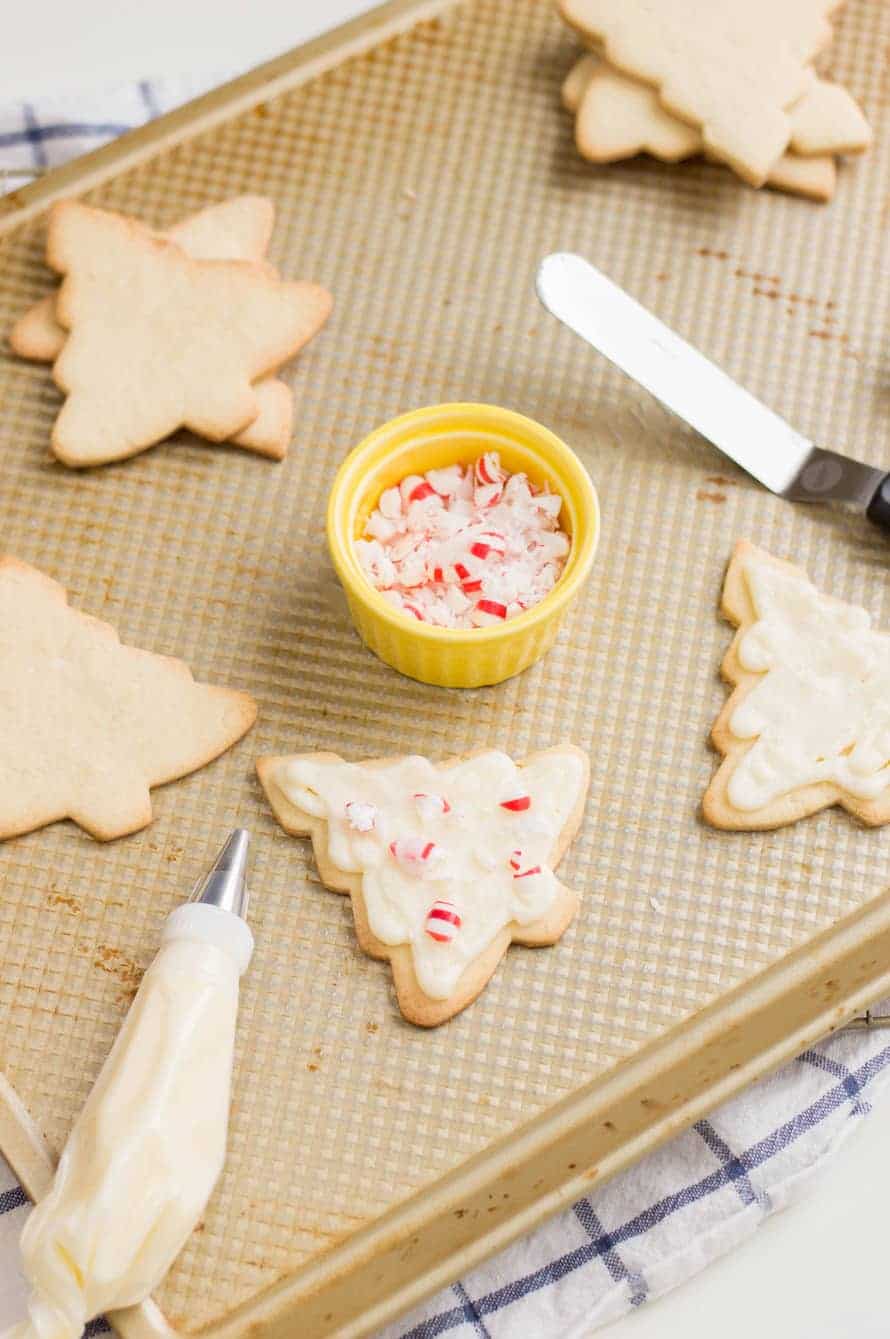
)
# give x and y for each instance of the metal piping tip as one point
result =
(225, 883)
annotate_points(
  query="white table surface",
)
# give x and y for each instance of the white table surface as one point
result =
(814, 1272)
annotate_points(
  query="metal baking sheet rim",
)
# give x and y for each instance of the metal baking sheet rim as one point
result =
(503, 1193)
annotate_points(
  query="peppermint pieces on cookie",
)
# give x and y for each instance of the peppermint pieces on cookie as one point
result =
(88, 725)
(808, 722)
(465, 547)
(160, 337)
(446, 864)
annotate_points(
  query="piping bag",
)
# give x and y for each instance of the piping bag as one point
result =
(145, 1152)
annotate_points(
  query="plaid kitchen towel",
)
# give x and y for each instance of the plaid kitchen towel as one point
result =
(39, 135)
(664, 1219)
(661, 1221)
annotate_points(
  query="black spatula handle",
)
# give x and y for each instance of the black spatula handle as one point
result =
(879, 507)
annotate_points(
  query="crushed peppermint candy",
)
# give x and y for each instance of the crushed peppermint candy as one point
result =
(443, 921)
(417, 856)
(431, 806)
(465, 546)
(517, 861)
(360, 816)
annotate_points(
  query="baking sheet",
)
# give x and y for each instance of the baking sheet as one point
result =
(421, 182)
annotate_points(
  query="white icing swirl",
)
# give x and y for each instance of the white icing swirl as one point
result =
(471, 844)
(821, 712)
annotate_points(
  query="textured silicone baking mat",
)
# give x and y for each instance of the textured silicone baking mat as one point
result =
(422, 182)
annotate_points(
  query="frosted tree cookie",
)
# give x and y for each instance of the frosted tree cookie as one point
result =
(236, 229)
(445, 864)
(158, 340)
(87, 724)
(808, 722)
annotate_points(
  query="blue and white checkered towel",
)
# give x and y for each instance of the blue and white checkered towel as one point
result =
(37, 136)
(661, 1221)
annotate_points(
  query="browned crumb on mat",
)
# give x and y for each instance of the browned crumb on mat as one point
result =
(116, 963)
(72, 904)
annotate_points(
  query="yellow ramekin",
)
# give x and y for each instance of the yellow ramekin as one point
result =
(431, 439)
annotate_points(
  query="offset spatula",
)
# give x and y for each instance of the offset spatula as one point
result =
(703, 396)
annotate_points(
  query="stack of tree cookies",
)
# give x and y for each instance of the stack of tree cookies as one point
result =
(151, 332)
(730, 79)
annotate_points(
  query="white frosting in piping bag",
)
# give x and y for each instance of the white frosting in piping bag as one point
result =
(821, 711)
(443, 833)
(148, 1146)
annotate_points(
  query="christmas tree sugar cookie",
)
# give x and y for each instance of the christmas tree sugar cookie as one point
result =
(236, 229)
(732, 70)
(618, 117)
(808, 722)
(88, 725)
(446, 864)
(158, 340)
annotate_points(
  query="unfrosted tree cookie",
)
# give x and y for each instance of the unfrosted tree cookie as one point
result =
(828, 119)
(813, 178)
(446, 864)
(808, 722)
(237, 229)
(619, 117)
(88, 725)
(731, 70)
(158, 340)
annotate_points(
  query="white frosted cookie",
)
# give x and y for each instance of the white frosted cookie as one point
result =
(88, 725)
(731, 70)
(445, 864)
(808, 721)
